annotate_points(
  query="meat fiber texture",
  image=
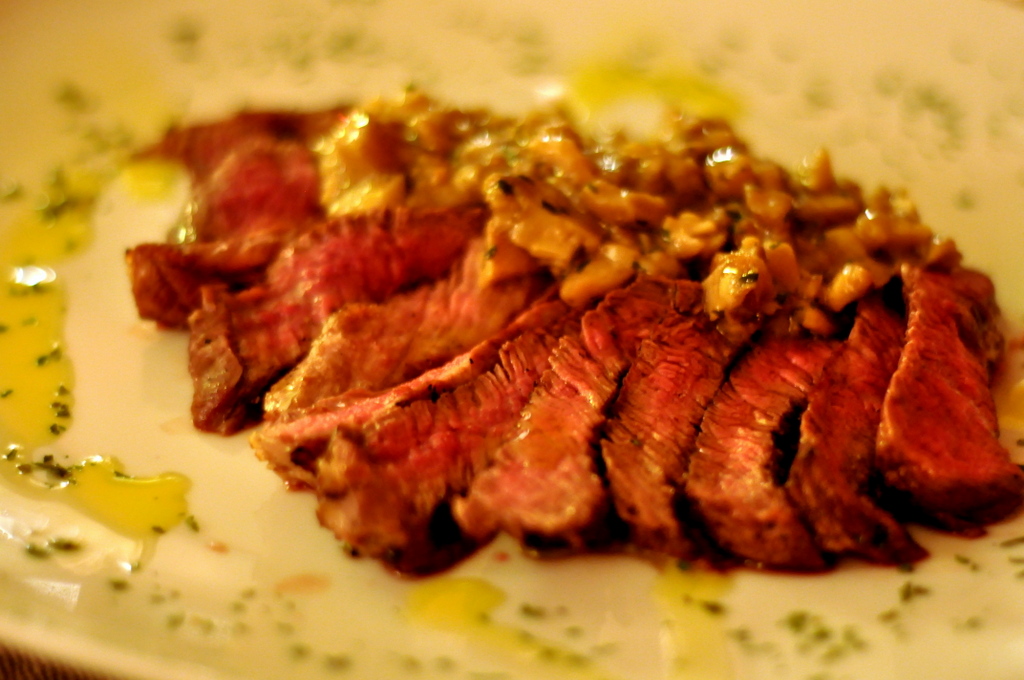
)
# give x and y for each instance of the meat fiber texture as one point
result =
(937, 442)
(733, 479)
(261, 270)
(429, 410)
(638, 424)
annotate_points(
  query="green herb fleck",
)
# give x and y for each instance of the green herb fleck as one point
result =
(185, 37)
(889, 615)
(970, 623)
(445, 664)
(37, 550)
(797, 621)
(746, 641)
(532, 611)
(490, 253)
(411, 663)
(337, 662)
(205, 625)
(910, 591)
(191, 523)
(119, 584)
(965, 200)
(73, 98)
(64, 544)
(175, 620)
(6, 393)
(299, 651)
(55, 354)
(967, 562)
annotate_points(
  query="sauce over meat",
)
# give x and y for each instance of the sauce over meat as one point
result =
(465, 322)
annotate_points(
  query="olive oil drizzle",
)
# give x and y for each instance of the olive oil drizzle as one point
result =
(465, 605)
(37, 377)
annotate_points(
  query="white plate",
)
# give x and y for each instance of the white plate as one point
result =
(927, 94)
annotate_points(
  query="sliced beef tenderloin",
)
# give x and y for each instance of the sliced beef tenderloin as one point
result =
(260, 196)
(261, 186)
(833, 476)
(385, 487)
(202, 147)
(372, 346)
(543, 486)
(268, 328)
(653, 422)
(938, 445)
(734, 482)
(292, 443)
(166, 278)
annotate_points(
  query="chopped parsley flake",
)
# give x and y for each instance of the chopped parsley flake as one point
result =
(533, 611)
(36, 550)
(337, 662)
(967, 562)
(910, 591)
(970, 623)
(64, 544)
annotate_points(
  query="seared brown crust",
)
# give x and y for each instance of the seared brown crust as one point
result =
(543, 487)
(270, 327)
(371, 346)
(292, 444)
(385, 486)
(653, 423)
(938, 443)
(832, 476)
(734, 476)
